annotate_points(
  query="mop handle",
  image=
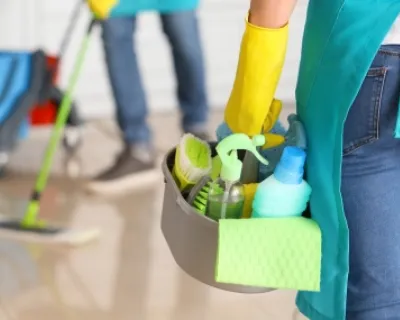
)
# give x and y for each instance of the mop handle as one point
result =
(41, 181)
(70, 28)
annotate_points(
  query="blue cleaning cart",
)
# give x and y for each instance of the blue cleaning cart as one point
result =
(26, 80)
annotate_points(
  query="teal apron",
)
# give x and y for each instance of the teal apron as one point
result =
(131, 7)
(341, 39)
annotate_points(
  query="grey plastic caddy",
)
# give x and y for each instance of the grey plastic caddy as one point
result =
(191, 237)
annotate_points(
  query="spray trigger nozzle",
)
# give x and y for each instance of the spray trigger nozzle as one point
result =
(258, 140)
(227, 151)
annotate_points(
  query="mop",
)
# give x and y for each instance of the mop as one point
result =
(31, 228)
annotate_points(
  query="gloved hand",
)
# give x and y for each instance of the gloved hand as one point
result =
(102, 8)
(272, 140)
(273, 137)
(260, 65)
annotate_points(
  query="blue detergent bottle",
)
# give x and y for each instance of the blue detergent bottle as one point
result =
(284, 193)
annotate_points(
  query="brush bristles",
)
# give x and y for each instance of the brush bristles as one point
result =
(201, 199)
(194, 158)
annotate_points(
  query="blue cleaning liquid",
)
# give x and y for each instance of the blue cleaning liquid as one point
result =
(285, 193)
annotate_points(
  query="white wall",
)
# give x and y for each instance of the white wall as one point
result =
(42, 22)
(16, 24)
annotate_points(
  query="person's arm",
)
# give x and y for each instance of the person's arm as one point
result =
(271, 14)
(262, 55)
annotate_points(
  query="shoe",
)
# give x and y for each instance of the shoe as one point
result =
(134, 168)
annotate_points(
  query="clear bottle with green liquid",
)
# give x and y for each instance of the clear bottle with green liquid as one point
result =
(226, 196)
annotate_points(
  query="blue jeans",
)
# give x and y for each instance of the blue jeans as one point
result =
(371, 192)
(181, 29)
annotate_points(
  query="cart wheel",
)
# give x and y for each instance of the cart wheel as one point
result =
(73, 167)
(72, 139)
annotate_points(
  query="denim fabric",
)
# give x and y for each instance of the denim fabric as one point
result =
(371, 192)
(181, 29)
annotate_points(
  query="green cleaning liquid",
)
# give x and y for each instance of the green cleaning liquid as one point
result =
(226, 196)
(225, 200)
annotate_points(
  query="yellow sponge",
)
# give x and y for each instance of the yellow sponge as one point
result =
(249, 192)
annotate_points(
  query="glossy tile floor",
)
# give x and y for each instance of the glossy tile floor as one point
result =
(129, 273)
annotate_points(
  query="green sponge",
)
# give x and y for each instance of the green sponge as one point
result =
(279, 253)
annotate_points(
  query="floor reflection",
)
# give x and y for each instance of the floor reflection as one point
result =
(128, 274)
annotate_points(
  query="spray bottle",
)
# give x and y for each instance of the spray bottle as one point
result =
(226, 195)
(285, 193)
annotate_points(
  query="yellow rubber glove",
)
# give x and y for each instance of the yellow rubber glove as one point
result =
(272, 140)
(261, 59)
(102, 8)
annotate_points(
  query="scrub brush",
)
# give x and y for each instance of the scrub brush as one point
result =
(192, 161)
(198, 196)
